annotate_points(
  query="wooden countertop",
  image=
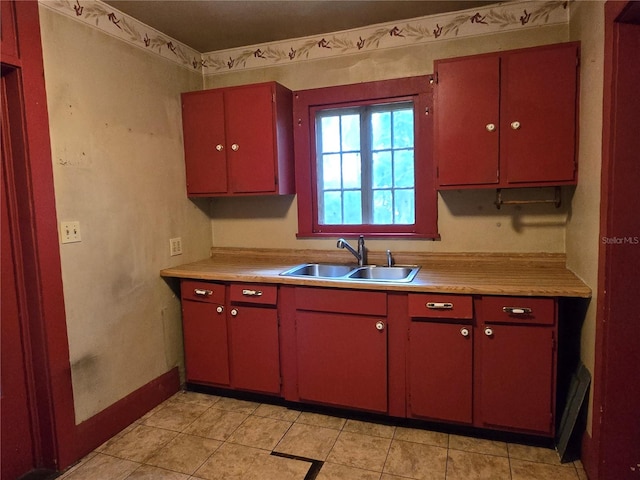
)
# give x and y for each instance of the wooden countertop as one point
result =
(469, 273)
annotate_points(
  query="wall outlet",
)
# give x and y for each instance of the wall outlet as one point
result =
(175, 246)
(70, 232)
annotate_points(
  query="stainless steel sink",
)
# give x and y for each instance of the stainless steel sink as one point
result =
(323, 270)
(397, 273)
(392, 274)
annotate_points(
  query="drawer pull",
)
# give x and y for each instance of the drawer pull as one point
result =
(252, 293)
(516, 310)
(439, 306)
(201, 292)
(465, 332)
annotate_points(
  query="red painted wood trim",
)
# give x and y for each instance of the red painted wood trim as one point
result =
(306, 101)
(34, 184)
(591, 455)
(288, 344)
(95, 431)
(398, 343)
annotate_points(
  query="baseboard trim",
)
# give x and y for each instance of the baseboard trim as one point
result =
(96, 430)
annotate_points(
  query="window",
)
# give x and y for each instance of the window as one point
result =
(363, 160)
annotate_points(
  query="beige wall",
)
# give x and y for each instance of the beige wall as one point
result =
(116, 139)
(468, 220)
(587, 25)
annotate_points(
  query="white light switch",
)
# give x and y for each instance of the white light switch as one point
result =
(70, 232)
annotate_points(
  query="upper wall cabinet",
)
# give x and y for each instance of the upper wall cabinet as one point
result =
(507, 119)
(239, 141)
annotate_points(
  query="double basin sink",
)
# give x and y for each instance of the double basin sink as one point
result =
(396, 273)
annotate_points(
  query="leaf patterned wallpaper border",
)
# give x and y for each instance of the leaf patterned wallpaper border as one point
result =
(514, 15)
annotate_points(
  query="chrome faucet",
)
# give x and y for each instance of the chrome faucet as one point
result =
(360, 254)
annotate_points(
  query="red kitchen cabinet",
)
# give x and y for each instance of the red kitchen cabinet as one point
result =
(440, 357)
(204, 324)
(239, 140)
(254, 343)
(507, 119)
(341, 339)
(517, 364)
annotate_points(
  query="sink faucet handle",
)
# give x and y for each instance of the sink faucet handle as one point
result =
(389, 259)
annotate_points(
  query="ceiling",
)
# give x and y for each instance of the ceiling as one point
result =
(209, 25)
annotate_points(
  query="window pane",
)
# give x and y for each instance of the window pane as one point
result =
(382, 170)
(385, 195)
(403, 173)
(380, 130)
(350, 133)
(331, 209)
(403, 129)
(331, 178)
(352, 207)
(382, 207)
(351, 170)
(330, 134)
(404, 212)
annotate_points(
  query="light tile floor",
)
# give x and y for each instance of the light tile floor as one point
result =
(198, 436)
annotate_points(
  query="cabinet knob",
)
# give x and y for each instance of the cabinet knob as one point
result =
(220, 309)
(380, 326)
(490, 127)
(464, 332)
(234, 312)
(488, 331)
(219, 147)
(515, 125)
(235, 147)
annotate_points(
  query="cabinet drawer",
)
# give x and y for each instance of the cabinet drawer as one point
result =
(202, 291)
(359, 302)
(253, 293)
(540, 311)
(427, 305)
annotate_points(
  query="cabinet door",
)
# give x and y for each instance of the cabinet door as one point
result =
(538, 127)
(255, 354)
(204, 142)
(467, 120)
(205, 342)
(517, 377)
(250, 139)
(440, 371)
(342, 360)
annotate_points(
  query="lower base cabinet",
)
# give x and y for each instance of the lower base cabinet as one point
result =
(483, 361)
(440, 358)
(204, 325)
(341, 341)
(254, 344)
(517, 364)
(440, 376)
(231, 335)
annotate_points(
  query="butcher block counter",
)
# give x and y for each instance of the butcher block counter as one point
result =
(537, 274)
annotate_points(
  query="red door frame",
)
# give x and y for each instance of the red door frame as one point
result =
(40, 260)
(609, 452)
